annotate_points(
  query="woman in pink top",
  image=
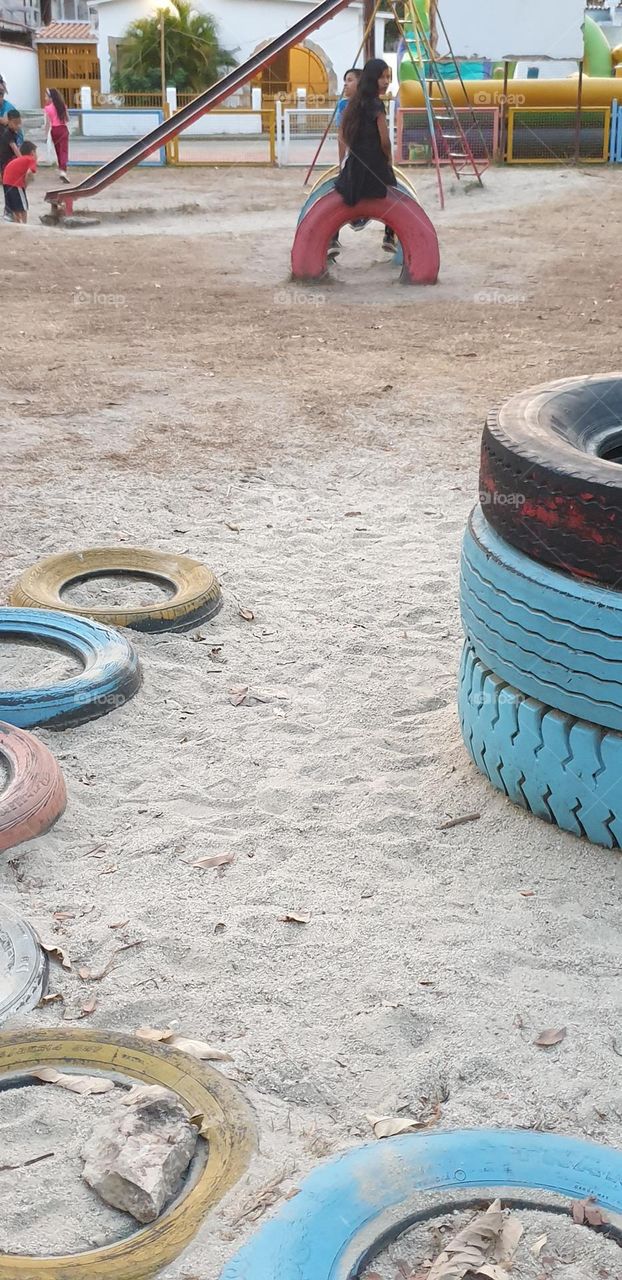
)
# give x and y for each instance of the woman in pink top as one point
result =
(56, 119)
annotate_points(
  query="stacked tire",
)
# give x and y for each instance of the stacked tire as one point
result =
(541, 601)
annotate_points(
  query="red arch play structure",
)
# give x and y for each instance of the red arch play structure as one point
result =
(329, 213)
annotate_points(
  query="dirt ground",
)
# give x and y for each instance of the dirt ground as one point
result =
(165, 385)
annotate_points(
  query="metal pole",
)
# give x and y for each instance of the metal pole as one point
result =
(369, 10)
(577, 136)
(162, 60)
(503, 115)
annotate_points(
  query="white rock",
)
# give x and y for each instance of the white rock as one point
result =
(135, 1159)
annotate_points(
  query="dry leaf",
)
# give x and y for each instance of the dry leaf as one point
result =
(196, 1048)
(75, 1084)
(120, 924)
(109, 871)
(391, 1126)
(96, 975)
(51, 999)
(587, 1213)
(538, 1245)
(295, 917)
(247, 615)
(216, 860)
(472, 1248)
(527, 893)
(511, 1235)
(88, 1008)
(61, 916)
(550, 1037)
(55, 953)
(235, 528)
(237, 694)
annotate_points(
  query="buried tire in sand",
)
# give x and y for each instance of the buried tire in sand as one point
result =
(226, 1123)
(111, 671)
(35, 794)
(195, 593)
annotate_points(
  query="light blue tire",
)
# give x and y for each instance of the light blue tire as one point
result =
(566, 771)
(554, 637)
(350, 1209)
(327, 186)
(111, 671)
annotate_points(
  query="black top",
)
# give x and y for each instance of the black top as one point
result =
(367, 172)
(8, 140)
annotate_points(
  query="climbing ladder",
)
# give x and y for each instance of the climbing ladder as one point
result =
(448, 140)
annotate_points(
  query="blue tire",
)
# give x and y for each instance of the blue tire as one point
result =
(327, 186)
(566, 771)
(349, 1209)
(551, 636)
(111, 671)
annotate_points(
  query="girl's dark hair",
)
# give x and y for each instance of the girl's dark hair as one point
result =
(59, 103)
(366, 91)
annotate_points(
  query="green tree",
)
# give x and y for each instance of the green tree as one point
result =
(193, 55)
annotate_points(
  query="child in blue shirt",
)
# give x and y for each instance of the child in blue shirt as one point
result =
(350, 84)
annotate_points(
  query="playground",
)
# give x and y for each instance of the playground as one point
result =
(390, 934)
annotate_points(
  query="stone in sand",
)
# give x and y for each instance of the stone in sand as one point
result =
(135, 1159)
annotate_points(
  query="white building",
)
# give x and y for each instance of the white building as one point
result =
(244, 26)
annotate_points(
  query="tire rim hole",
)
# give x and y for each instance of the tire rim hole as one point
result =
(116, 590)
(27, 664)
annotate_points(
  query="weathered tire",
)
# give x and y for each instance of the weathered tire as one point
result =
(351, 1208)
(566, 771)
(554, 637)
(196, 594)
(35, 795)
(110, 677)
(329, 213)
(327, 181)
(227, 1123)
(23, 966)
(545, 483)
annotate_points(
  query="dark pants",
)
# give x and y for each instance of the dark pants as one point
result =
(60, 138)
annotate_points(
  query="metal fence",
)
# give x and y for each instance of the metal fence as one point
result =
(558, 136)
(98, 136)
(479, 124)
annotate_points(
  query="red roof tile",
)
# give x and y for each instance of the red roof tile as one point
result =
(64, 32)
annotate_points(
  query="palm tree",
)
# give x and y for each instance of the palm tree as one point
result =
(194, 57)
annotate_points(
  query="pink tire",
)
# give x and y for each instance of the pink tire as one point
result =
(35, 795)
(328, 214)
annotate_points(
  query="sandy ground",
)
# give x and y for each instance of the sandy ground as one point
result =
(166, 385)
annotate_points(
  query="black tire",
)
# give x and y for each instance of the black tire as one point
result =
(551, 475)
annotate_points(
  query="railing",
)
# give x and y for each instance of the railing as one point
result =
(480, 126)
(124, 101)
(561, 135)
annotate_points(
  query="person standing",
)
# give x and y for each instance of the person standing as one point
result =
(368, 171)
(57, 124)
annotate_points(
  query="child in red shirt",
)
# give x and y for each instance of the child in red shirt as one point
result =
(16, 176)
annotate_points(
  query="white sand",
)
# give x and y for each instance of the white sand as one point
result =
(213, 416)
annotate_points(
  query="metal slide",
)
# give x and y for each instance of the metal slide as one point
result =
(205, 102)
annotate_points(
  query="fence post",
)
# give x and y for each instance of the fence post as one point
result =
(392, 121)
(256, 99)
(86, 98)
(278, 110)
(171, 98)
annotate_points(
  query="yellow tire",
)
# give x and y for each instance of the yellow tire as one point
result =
(227, 1125)
(196, 594)
(334, 173)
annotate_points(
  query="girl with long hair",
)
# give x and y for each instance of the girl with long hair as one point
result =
(368, 173)
(57, 124)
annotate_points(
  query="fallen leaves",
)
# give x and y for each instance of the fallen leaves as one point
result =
(546, 1039)
(88, 1008)
(247, 615)
(295, 917)
(237, 694)
(215, 860)
(74, 1084)
(52, 998)
(538, 1245)
(483, 1248)
(55, 952)
(391, 1126)
(196, 1048)
(586, 1213)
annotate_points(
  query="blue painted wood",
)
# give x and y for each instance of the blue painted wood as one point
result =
(347, 1208)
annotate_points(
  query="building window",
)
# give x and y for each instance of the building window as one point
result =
(70, 11)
